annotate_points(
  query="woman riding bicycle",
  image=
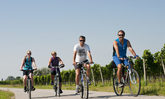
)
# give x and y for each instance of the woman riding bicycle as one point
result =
(55, 61)
(27, 65)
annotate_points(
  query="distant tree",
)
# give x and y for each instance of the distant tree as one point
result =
(18, 78)
(10, 78)
(138, 66)
(150, 66)
(43, 71)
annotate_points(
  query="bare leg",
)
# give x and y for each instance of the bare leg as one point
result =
(77, 76)
(88, 70)
(60, 85)
(119, 72)
(31, 77)
(24, 80)
(52, 77)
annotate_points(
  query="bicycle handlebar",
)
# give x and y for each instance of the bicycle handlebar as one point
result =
(59, 66)
(84, 62)
(28, 70)
(131, 57)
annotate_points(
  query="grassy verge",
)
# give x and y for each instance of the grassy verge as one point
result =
(6, 94)
(156, 87)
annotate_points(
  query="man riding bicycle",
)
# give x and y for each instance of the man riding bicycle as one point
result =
(80, 54)
(120, 46)
(27, 65)
(55, 61)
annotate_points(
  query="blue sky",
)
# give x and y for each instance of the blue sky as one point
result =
(44, 26)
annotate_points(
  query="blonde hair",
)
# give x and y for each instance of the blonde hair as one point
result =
(53, 53)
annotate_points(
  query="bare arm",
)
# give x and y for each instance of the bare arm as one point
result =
(130, 48)
(23, 62)
(74, 57)
(61, 62)
(34, 63)
(49, 62)
(90, 56)
(116, 48)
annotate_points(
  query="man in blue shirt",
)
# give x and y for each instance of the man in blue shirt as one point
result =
(120, 46)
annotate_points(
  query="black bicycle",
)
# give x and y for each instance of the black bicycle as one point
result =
(84, 80)
(129, 77)
(56, 85)
(29, 82)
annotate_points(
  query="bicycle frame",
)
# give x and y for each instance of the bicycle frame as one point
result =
(56, 80)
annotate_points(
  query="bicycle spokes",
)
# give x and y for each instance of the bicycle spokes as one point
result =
(134, 83)
(118, 90)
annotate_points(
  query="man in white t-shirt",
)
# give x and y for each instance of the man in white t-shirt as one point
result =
(81, 50)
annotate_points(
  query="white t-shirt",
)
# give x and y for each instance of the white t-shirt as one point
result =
(81, 52)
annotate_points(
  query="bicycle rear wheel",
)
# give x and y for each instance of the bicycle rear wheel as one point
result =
(134, 83)
(117, 89)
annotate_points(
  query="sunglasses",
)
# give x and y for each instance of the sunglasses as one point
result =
(120, 34)
(82, 40)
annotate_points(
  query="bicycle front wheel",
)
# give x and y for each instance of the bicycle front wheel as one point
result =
(58, 86)
(29, 88)
(85, 87)
(134, 83)
(118, 90)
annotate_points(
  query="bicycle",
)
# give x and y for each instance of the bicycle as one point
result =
(84, 80)
(56, 85)
(128, 77)
(29, 83)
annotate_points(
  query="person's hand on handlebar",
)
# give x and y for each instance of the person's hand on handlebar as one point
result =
(91, 62)
(49, 66)
(35, 69)
(137, 57)
(62, 65)
(121, 58)
(74, 63)
(21, 68)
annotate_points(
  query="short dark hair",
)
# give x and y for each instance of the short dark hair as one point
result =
(121, 31)
(82, 37)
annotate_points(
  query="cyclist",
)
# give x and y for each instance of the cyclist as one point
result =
(80, 54)
(54, 61)
(120, 46)
(27, 65)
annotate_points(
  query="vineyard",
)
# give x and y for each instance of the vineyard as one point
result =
(150, 67)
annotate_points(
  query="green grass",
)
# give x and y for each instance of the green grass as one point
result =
(156, 87)
(6, 94)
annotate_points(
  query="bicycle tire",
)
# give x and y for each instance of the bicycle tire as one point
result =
(85, 87)
(138, 80)
(118, 91)
(58, 86)
(81, 90)
(55, 85)
(29, 88)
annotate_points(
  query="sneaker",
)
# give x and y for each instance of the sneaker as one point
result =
(61, 91)
(121, 85)
(52, 82)
(25, 89)
(33, 88)
(77, 91)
